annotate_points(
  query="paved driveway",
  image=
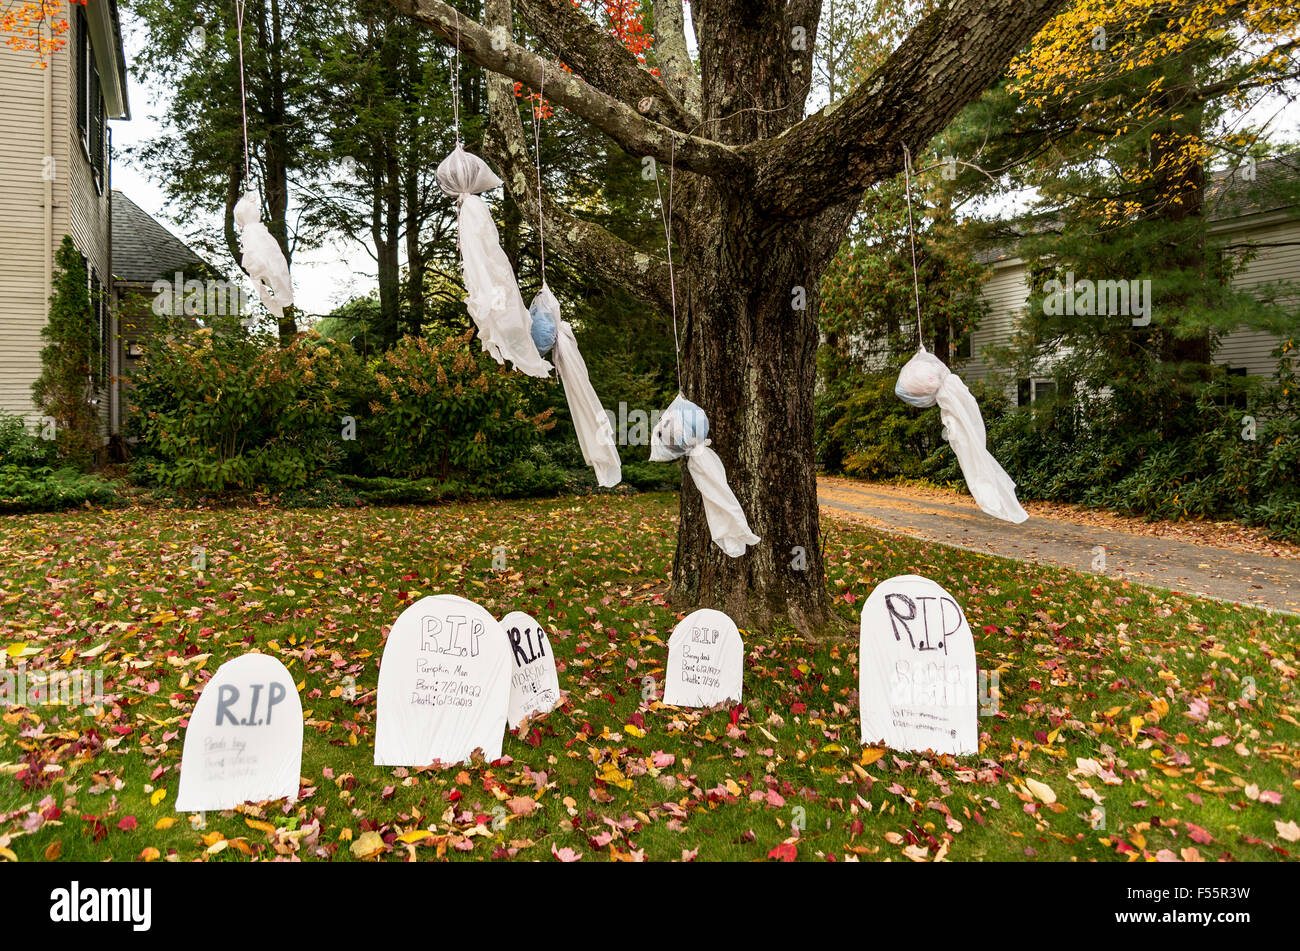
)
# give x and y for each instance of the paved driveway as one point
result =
(1229, 574)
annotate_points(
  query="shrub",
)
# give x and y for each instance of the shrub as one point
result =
(19, 447)
(442, 409)
(71, 359)
(218, 409)
(44, 489)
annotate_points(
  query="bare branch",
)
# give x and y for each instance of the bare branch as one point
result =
(600, 59)
(675, 66)
(633, 131)
(643, 275)
(955, 54)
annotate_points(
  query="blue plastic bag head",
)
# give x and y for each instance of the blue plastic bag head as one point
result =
(681, 428)
(545, 314)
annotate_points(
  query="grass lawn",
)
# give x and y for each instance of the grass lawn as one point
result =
(1154, 689)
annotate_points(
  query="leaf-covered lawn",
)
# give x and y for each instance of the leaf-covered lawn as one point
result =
(1178, 716)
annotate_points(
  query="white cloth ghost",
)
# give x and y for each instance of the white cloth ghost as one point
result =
(493, 297)
(595, 434)
(924, 381)
(263, 259)
(682, 430)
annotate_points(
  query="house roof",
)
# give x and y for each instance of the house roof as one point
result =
(145, 251)
(1228, 195)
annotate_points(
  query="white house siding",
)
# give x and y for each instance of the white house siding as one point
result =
(78, 210)
(1273, 265)
(1007, 292)
(23, 249)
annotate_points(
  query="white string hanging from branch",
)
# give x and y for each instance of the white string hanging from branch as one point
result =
(492, 291)
(550, 331)
(683, 429)
(925, 381)
(262, 257)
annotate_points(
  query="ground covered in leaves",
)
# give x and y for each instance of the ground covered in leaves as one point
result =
(1133, 724)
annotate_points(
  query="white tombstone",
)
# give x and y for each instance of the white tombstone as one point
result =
(244, 739)
(916, 677)
(706, 661)
(534, 683)
(444, 685)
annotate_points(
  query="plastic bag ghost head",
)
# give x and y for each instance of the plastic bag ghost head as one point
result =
(263, 259)
(464, 173)
(550, 332)
(492, 293)
(920, 379)
(924, 381)
(681, 428)
(545, 314)
(682, 431)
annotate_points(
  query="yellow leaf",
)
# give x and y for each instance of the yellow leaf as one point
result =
(158, 796)
(368, 846)
(634, 731)
(1041, 791)
(415, 835)
(149, 853)
(165, 823)
(259, 825)
(871, 754)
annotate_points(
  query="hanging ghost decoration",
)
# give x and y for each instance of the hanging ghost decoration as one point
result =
(683, 430)
(263, 259)
(924, 381)
(595, 434)
(493, 300)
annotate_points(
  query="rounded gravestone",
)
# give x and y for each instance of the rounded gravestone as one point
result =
(534, 683)
(916, 678)
(444, 685)
(244, 739)
(706, 661)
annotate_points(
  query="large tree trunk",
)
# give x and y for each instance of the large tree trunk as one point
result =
(749, 360)
(750, 349)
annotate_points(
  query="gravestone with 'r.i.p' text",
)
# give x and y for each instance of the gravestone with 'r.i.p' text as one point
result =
(917, 676)
(244, 739)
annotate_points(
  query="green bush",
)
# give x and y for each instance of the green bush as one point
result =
(445, 409)
(652, 476)
(218, 410)
(19, 447)
(44, 489)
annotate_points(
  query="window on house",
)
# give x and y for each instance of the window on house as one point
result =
(962, 349)
(1034, 390)
(99, 314)
(81, 42)
(1236, 395)
(91, 115)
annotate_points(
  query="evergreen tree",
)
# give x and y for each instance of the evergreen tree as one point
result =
(65, 389)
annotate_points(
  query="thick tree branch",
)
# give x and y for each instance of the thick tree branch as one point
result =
(609, 257)
(675, 66)
(600, 59)
(954, 55)
(633, 131)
